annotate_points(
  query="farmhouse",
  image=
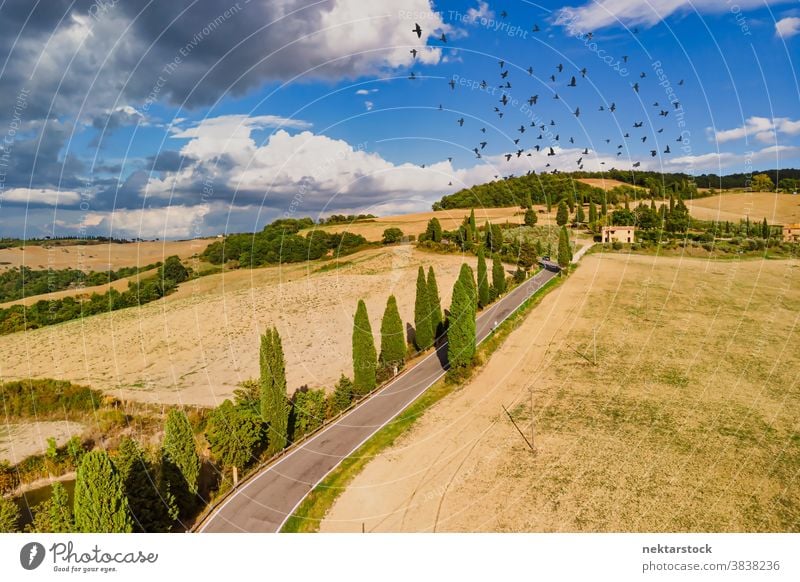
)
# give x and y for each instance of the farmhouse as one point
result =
(623, 234)
(791, 233)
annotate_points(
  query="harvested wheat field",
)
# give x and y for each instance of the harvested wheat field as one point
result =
(98, 257)
(19, 441)
(195, 346)
(417, 223)
(776, 208)
(690, 421)
(606, 183)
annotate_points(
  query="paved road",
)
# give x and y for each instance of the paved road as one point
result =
(266, 501)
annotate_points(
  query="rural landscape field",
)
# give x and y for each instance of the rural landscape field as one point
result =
(399, 267)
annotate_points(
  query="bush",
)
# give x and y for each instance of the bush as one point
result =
(616, 245)
(392, 236)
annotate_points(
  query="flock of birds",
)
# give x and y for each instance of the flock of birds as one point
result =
(550, 132)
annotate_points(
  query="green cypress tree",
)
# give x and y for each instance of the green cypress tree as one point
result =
(342, 396)
(153, 508)
(472, 224)
(461, 327)
(604, 205)
(527, 201)
(765, 229)
(54, 515)
(592, 212)
(467, 277)
(547, 202)
(364, 355)
(393, 342)
(498, 277)
(9, 516)
(423, 331)
(233, 433)
(562, 214)
(274, 404)
(483, 280)
(580, 217)
(435, 303)
(564, 251)
(530, 217)
(434, 230)
(180, 462)
(100, 502)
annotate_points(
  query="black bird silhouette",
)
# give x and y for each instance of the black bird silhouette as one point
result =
(537, 147)
(590, 35)
(680, 83)
(626, 134)
(555, 96)
(572, 82)
(553, 78)
(571, 140)
(677, 104)
(417, 29)
(635, 31)
(637, 164)
(501, 63)
(644, 138)
(475, 150)
(586, 151)
(449, 183)
(412, 76)
(653, 153)
(655, 104)
(530, 70)
(636, 87)
(449, 159)
(579, 161)
(533, 99)
(666, 151)
(483, 84)
(552, 122)
(519, 153)
(577, 112)
(504, 100)
(508, 157)
(461, 122)
(552, 152)
(557, 137)
(452, 84)
(602, 108)
(521, 129)
(560, 67)
(503, 14)
(642, 75)
(504, 74)
(660, 130)
(664, 113)
(613, 107)
(440, 106)
(680, 139)
(583, 72)
(516, 141)
(638, 123)
(443, 38)
(536, 28)
(413, 53)
(483, 129)
(624, 58)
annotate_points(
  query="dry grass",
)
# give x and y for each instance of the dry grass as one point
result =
(690, 421)
(776, 208)
(18, 441)
(606, 183)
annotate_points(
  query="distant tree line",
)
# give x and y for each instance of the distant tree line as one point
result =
(345, 218)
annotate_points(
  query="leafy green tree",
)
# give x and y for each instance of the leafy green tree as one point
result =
(564, 250)
(309, 411)
(434, 230)
(9, 516)
(234, 434)
(592, 212)
(423, 332)
(678, 217)
(498, 277)
(364, 354)
(274, 404)
(53, 515)
(762, 183)
(530, 217)
(580, 217)
(527, 200)
(392, 235)
(342, 396)
(179, 460)
(100, 502)
(548, 204)
(562, 214)
(173, 270)
(461, 327)
(435, 304)
(483, 280)
(527, 255)
(153, 507)
(393, 341)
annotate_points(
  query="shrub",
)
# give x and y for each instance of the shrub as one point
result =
(392, 236)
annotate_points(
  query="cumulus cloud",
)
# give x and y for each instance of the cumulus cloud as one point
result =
(169, 222)
(787, 27)
(483, 11)
(597, 14)
(40, 196)
(366, 91)
(717, 161)
(763, 129)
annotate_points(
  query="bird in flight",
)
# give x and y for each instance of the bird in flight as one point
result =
(461, 122)
(572, 82)
(636, 87)
(412, 76)
(530, 70)
(533, 99)
(536, 28)
(504, 100)
(417, 29)
(443, 38)
(413, 53)
(452, 84)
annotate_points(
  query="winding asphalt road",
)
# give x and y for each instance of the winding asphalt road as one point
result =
(266, 501)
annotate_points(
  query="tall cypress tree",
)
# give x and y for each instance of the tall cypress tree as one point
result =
(393, 343)
(472, 224)
(604, 205)
(423, 329)
(365, 358)
(468, 279)
(562, 215)
(180, 462)
(592, 212)
(765, 229)
(272, 382)
(580, 217)
(461, 327)
(498, 277)
(483, 280)
(435, 303)
(100, 502)
(564, 250)
(152, 505)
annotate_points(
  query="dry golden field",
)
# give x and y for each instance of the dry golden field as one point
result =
(690, 421)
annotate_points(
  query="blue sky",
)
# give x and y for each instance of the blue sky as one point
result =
(186, 119)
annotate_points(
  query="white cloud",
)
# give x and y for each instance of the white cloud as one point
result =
(718, 161)
(482, 11)
(366, 91)
(597, 14)
(177, 221)
(763, 129)
(41, 196)
(369, 105)
(787, 27)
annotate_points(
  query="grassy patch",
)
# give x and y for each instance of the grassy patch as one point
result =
(316, 505)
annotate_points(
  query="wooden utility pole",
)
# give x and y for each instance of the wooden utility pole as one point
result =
(519, 430)
(533, 425)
